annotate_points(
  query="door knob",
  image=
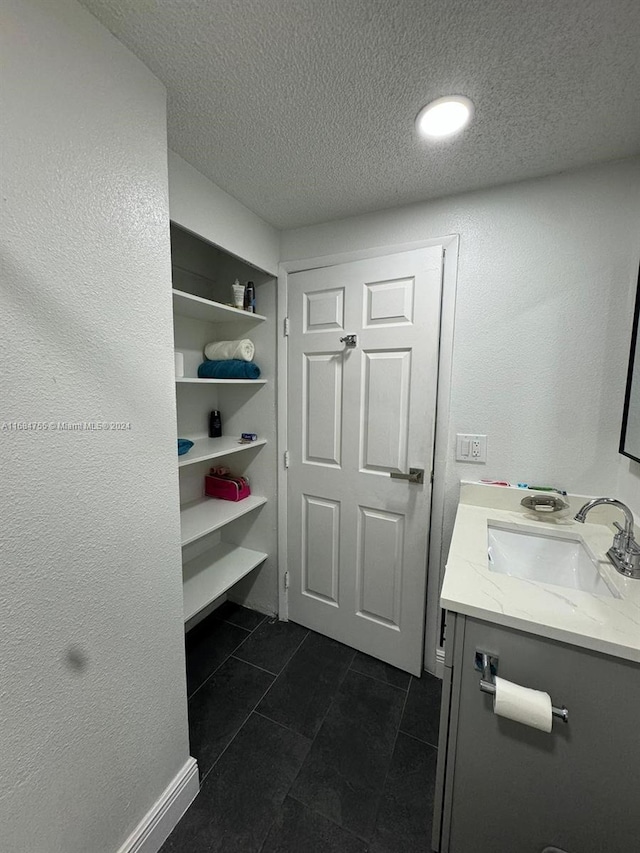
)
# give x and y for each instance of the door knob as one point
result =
(350, 341)
(415, 475)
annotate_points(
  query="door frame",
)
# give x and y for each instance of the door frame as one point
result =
(433, 656)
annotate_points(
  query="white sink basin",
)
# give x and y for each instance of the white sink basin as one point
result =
(540, 556)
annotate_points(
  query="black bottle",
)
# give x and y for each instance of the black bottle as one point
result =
(215, 424)
(250, 298)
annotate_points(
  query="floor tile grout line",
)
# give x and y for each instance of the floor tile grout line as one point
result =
(235, 625)
(331, 703)
(348, 669)
(278, 674)
(244, 722)
(275, 619)
(331, 820)
(267, 717)
(210, 676)
(379, 680)
(231, 654)
(324, 717)
(250, 635)
(296, 650)
(271, 825)
(386, 777)
(282, 725)
(264, 616)
(286, 728)
(319, 814)
(270, 672)
(401, 731)
(240, 727)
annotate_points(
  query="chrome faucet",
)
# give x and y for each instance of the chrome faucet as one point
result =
(625, 551)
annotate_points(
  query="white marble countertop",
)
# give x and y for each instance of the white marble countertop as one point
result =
(608, 625)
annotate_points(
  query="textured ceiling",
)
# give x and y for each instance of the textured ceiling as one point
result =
(304, 110)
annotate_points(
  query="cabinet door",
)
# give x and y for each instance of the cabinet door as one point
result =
(519, 790)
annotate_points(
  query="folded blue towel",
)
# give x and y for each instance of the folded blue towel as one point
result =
(231, 369)
(184, 446)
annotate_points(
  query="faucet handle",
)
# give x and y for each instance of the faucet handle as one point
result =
(627, 549)
(630, 562)
(619, 539)
(630, 538)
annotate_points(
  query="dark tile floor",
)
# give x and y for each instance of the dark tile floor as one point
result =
(303, 745)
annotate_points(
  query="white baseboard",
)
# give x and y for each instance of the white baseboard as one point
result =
(440, 663)
(156, 826)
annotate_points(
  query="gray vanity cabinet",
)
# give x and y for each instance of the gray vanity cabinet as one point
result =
(504, 787)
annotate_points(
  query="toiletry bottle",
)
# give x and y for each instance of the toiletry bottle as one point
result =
(250, 298)
(215, 424)
(239, 294)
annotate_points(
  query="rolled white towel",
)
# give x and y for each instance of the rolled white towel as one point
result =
(243, 350)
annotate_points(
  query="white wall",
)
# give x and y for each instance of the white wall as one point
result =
(92, 681)
(200, 206)
(546, 283)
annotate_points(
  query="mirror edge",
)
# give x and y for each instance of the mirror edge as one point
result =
(627, 396)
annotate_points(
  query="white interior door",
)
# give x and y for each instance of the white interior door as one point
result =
(357, 537)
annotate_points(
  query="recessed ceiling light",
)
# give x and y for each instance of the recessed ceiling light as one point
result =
(444, 116)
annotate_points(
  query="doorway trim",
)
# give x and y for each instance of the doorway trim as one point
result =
(441, 450)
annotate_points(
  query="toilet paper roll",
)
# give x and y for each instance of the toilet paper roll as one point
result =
(531, 707)
(179, 364)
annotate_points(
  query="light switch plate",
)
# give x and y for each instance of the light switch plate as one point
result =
(471, 448)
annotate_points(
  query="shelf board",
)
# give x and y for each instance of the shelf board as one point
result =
(203, 516)
(198, 308)
(208, 576)
(210, 448)
(195, 381)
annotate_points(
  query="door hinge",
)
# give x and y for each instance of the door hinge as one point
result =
(286, 459)
(286, 580)
(431, 478)
(286, 327)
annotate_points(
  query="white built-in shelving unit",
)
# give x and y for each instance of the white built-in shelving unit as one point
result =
(188, 305)
(222, 541)
(195, 380)
(207, 515)
(207, 577)
(212, 448)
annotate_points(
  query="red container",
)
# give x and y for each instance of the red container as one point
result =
(226, 488)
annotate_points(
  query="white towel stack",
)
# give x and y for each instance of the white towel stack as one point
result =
(243, 350)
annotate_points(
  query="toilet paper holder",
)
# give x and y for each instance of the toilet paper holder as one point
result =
(487, 664)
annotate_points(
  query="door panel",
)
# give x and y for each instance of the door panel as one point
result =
(322, 408)
(379, 573)
(389, 303)
(324, 310)
(321, 548)
(385, 411)
(357, 538)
